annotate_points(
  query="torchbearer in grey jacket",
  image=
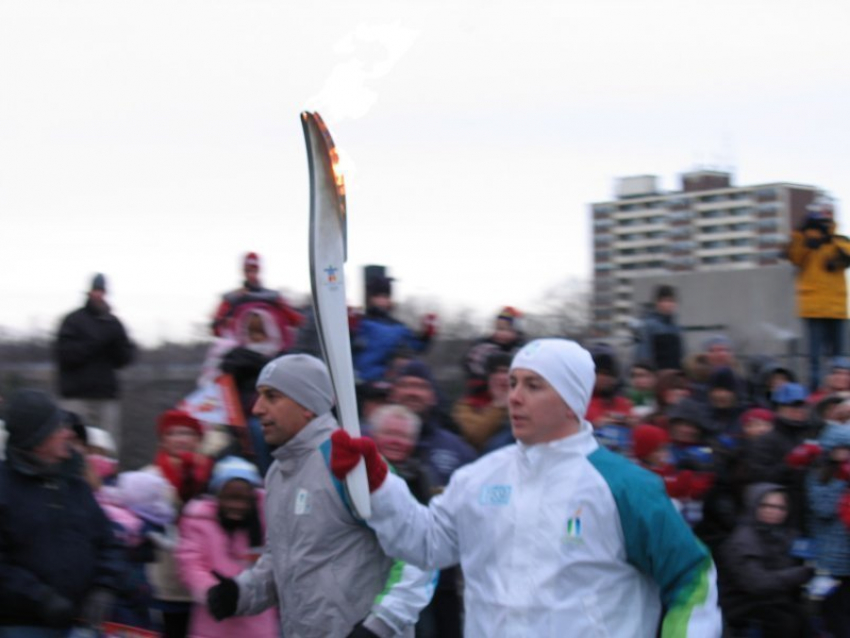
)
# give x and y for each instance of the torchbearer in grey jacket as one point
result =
(323, 568)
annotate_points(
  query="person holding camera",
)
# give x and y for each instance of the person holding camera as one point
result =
(821, 257)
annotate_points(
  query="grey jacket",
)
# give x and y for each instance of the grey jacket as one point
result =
(325, 569)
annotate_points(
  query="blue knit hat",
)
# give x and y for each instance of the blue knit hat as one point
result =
(233, 467)
(789, 394)
(834, 436)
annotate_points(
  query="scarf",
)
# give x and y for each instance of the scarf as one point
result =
(188, 473)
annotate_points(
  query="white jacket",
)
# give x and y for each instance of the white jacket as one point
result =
(559, 539)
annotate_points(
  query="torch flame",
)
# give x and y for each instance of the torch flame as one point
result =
(334, 157)
(336, 167)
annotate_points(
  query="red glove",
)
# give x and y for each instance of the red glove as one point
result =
(347, 452)
(803, 455)
(429, 325)
(679, 484)
(843, 473)
(702, 482)
(353, 319)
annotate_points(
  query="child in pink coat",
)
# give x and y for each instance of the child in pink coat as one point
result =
(223, 533)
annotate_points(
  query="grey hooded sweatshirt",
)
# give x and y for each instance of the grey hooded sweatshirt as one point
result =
(324, 568)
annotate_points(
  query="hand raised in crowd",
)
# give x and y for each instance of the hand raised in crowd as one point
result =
(429, 325)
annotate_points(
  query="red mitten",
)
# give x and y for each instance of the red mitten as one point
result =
(353, 319)
(429, 325)
(803, 455)
(346, 453)
(679, 485)
(701, 483)
(843, 473)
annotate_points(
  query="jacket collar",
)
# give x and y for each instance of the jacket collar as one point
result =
(582, 443)
(308, 439)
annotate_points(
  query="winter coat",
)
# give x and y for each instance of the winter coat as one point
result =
(832, 538)
(442, 451)
(661, 342)
(204, 547)
(162, 572)
(478, 423)
(237, 303)
(821, 285)
(558, 539)
(377, 337)
(723, 421)
(756, 565)
(321, 566)
(54, 537)
(90, 347)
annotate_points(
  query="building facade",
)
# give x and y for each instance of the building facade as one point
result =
(708, 225)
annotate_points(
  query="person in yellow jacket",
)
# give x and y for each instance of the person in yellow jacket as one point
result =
(821, 257)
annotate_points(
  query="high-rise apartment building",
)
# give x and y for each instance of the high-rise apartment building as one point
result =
(708, 225)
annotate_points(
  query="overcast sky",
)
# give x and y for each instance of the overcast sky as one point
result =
(158, 141)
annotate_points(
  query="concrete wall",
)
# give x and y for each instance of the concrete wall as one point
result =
(755, 307)
(147, 391)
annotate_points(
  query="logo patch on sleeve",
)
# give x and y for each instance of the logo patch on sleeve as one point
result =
(572, 529)
(495, 495)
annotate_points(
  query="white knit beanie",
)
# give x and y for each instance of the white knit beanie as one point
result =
(565, 365)
(302, 378)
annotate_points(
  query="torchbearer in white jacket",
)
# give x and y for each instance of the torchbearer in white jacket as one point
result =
(556, 536)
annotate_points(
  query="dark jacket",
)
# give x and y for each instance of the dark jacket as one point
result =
(660, 342)
(90, 347)
(54, 538)
(442, 451)
(377, 337)
(757, 567)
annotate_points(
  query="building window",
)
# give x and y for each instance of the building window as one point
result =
(738, 227)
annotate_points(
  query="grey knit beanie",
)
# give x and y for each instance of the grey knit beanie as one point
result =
(302, 378)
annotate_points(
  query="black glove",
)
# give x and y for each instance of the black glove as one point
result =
(56, 610)
(360, 631)
(96, 606)
(223, 598)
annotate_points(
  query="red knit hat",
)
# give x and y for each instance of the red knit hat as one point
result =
(762, 414)
(252, 260)
(646, 439)
(173, 418)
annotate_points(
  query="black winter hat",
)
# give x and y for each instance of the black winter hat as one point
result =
(497, 360)
(98, 282)
(379, 286)
(722, 379)
(605, 360)
(665, 291)
(417, 369)
(688, 411)
(31, 417)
